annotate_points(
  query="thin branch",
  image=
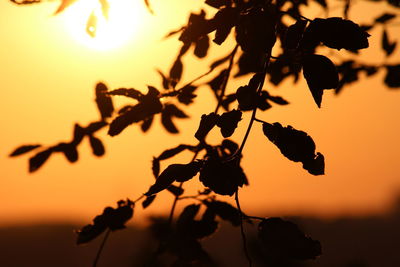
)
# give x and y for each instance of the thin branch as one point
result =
(101, 247)
(246, 252)
(226, 78)
(253, 114)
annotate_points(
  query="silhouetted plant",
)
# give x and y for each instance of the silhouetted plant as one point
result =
(257, 26)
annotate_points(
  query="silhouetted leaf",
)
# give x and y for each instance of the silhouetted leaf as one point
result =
(223, 177)
(295, 145)
(95, 126)
(294, 34)
(97, 146)
(218, 3)
(385, 18)
(128, 92)
(155, 167)
(320, 74)
(392, 78)
(230, 146)
(148, 200)
(174, 172)
(23, 149)
(170, 111)
(322, 3)
(250, 62)
(277, 100)
(186, 95)
(175, 73)
(39, 159)
(111, 218)
(63, 5)
(255, 32)
(386, 45)
(227, 100)
(225, 210)
(335, 33)
(189, 228)
(246, 97)
(197, 26)
(69, 150)
(147, 107)
(228, 122)
(207, 122)
(146, 124)
(284, 240)
(169, 153)
(176, 191)
(225, 19)
(103, 101)
(79, 133)
(165, 80)
(201, 46)
(90, 232)
(91, 25)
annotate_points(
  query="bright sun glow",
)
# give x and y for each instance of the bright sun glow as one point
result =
(124, 19)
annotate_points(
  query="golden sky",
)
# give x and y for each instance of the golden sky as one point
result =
(47, 84)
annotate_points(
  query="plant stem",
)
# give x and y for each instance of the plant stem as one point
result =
(101, 248)
(254, 112)
(226, 78)
(246, 252)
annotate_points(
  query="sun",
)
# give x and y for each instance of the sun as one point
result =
(89, 25)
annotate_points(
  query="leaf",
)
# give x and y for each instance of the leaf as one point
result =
(23, 149)
(147, 3)
(392, 78)
(189, 228)
(169, 153)
(95, 126)
(186, 94)
(278, 100)
(225, 19)
(63, 5)
(103, 101)
(174, 172)
(39, 159)
(385, 18)
(175, 73)
(216, 83)
(155, 167)
(97, 146)
(224, 210)
(166, 121)
(218, 3)
(197, 27)
(250, 62)
(284, 240)
(165, 80)
(70, 151)
(228, 122)
(337, 33)
(295, 145)
(322, 3)
(207, 122)
(222, 177)
(255, 32)
(111, 218)
(201, 46)
(91, 25)
(320, 74)
(246, 97)
(175, 190)
(148, 106)
(294, 34)
(105, 7)
(132, 93)
(386, 45)
(148, 201)
(79, 133)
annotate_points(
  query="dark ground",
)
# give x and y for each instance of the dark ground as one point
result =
(347, 242)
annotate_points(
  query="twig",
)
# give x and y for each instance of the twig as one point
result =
(246, 252)
(101, 248)
(226, 78)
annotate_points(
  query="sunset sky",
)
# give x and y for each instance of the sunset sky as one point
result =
(49, 70)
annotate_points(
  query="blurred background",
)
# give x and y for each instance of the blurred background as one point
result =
(49, 70)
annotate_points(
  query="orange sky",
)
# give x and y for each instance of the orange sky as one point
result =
(47, 83)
